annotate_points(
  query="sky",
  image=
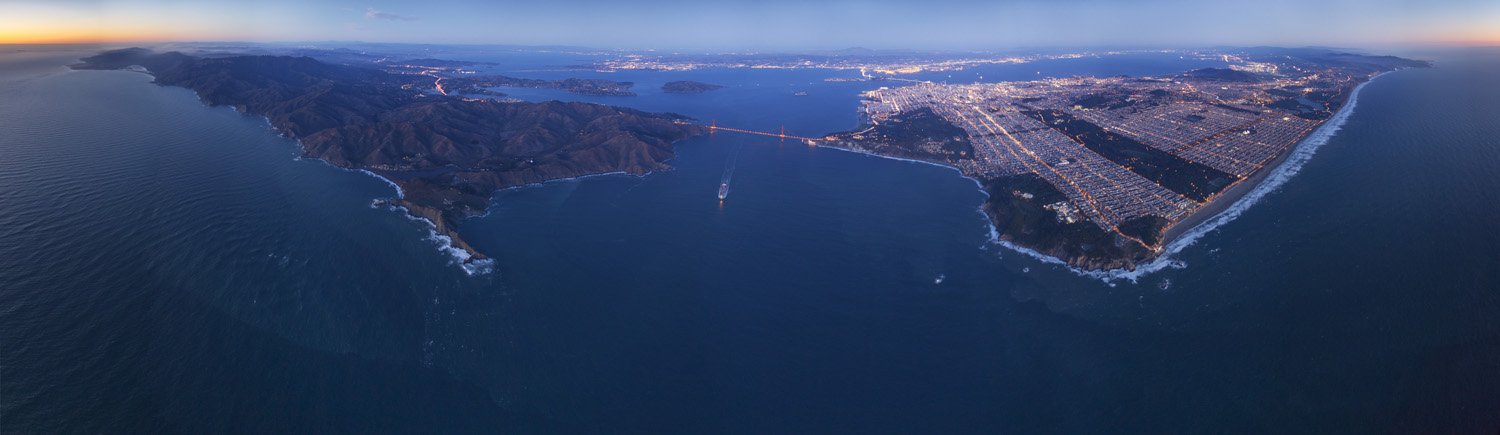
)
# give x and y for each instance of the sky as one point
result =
(765, 24)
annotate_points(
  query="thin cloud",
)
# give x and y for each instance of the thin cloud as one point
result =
(375, 14)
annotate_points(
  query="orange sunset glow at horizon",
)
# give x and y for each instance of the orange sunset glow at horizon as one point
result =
(1458, 23)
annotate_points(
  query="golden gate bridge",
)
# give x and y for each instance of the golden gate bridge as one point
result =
(714, 127)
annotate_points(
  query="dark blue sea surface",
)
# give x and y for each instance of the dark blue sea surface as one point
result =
(171, 267)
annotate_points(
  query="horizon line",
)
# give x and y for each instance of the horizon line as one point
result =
(1409, 44)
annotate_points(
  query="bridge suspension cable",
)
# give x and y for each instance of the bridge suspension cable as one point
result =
(714, 127)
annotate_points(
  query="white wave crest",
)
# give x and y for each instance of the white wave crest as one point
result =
(1279, 175)
(461, 258)
(399, 193)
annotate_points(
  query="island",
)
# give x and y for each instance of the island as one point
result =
(688, 87)
(446, 154)
(1102, 173)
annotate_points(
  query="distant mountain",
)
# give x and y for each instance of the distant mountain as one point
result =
(440, 63)
(1317, 57)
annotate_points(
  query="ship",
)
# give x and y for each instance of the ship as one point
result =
(723, 190)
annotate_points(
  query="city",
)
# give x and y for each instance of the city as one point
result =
(749, 217)
(1134, 156)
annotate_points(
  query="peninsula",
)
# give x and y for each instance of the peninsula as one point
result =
(447, 154)
(1103, 172)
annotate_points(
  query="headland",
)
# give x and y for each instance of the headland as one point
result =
(446, 154)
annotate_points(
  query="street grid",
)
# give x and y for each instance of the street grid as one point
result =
(1238, 136)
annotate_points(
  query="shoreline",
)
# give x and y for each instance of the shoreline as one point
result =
(469, 260)
(1290, 165)
(445, 232)
(1218, 212)
(1222, 210)
(466, 259)
(993, 233)
(1304, 150)
(452, 206)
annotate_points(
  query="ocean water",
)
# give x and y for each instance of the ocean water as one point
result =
(171, 267)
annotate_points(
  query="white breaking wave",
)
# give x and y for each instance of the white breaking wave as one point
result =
(444, 243)
(300, 148)
(1299, 156)
(399, 193)
(1279, 176)
(461, 258)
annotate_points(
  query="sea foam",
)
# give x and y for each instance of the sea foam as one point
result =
(1279, 175)
(445, 244)
(399, 193)
(461, 258)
